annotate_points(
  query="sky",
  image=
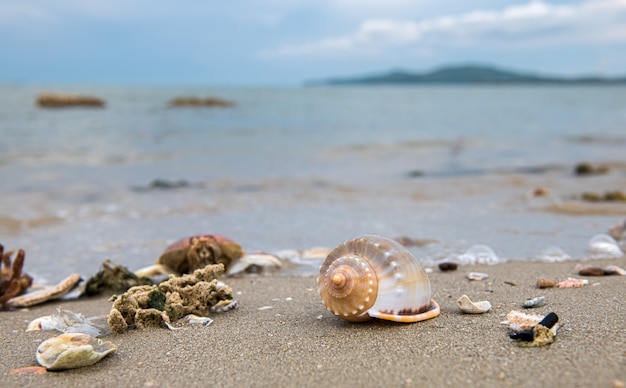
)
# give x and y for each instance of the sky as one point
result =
(287, 42)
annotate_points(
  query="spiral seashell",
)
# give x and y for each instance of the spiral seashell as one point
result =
(375, 277)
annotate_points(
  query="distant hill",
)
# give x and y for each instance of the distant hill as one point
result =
(467, 74)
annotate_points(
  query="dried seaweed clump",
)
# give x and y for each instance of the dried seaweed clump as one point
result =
(144, 306)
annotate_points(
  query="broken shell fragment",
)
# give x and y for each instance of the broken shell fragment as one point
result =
(477, 276)
(72, 350)
(541, 334)
(467, 306)
(519, 321)
(614, 270)
(572, 283)
(535, 302)
(67, 321)
(545, 283)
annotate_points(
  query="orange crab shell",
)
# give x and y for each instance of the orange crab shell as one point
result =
(195, 252)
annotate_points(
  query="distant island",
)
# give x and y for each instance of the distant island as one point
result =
(467, 74)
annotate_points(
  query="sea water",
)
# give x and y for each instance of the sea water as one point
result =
(295, 168)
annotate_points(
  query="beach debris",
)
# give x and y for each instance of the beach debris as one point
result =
(447, 266)
(468, 307)
(553, 254)
(572, 283)
(46, 294)
(72, 350)
(52, 100)
(541, 334)
(519, 321)
(603, 246)
(545, 283)
(539, 192)
(591, 271)
(196, 319)
(585, 168)
(375, 277)
(200, 102)
(35, 370)
(113, 277)
(477, 276)
(191, 253)
(67, 321)
(255, 263)
(535, 302)
(196, 293)
(478, 254)
(13, 281)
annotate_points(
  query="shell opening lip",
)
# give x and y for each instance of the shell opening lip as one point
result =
(433, 311)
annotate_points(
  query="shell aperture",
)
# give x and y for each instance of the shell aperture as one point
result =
(375, 277)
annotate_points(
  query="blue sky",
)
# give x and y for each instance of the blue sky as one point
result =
(285, 42)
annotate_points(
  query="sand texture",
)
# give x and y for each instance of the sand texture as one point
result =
(297, 342)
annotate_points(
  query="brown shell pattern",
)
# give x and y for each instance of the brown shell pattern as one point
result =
(196, 252)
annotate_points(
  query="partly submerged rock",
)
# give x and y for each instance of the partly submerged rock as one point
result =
(51, 100)
(72, 350)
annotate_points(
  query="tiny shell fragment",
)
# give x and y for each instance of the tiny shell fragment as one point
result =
(535, 302)
(469, 307)
(72, 350)
(37, 370)
(572, 283)
(477, 276)
(545, 283)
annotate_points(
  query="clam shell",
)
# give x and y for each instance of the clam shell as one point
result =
(467, 306)
(375, 277)
(72, 350)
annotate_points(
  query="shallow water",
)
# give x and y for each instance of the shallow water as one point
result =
(304, 167)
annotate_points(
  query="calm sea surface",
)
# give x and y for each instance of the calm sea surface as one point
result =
(304, 167)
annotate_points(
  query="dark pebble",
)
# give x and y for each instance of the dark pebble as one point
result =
(591, 271)
(447, 266)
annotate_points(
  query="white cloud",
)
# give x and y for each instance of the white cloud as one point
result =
(535, 22)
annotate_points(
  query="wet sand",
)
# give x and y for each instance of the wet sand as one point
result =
(297, 342)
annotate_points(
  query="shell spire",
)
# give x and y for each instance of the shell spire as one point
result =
(375, 277)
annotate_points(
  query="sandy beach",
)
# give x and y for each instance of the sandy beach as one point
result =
(281, 335)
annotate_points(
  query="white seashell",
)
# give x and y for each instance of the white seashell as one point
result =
(535, 302)
(519, 321)
(477, 276)
(375, 277)
(72, 350)
(603, 246)
(615, 270)
(467, 306)
(254, 260)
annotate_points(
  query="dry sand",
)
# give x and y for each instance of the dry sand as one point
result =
(297, 342)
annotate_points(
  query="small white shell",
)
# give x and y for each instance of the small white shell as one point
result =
(467, 306)
(72, 350)
(519, 321)
(375, 277)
